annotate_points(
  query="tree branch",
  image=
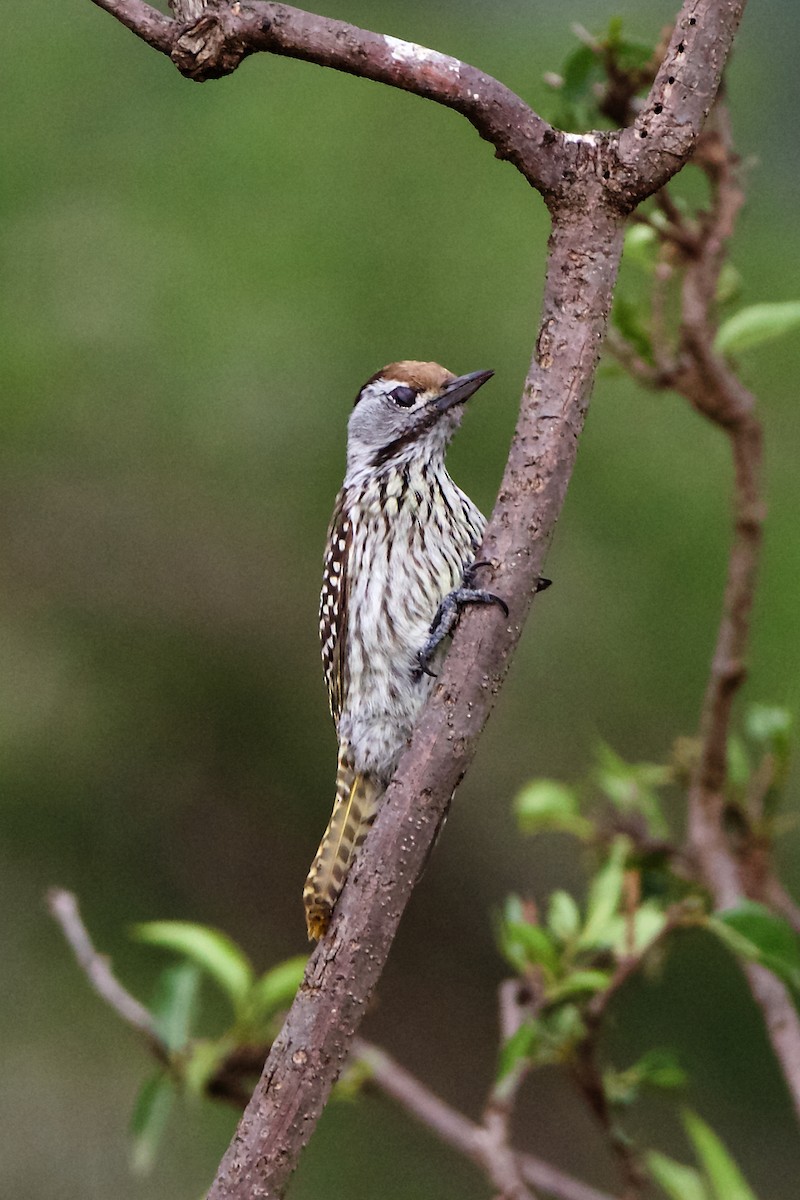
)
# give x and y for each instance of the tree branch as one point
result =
(456, 1130)
(63, 906)
(718, 394)
(226, 34)
(669, 122)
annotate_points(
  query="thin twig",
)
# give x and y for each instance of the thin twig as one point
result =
(516, 1002)
(63, 906)
(457, 1130)
(626, 355)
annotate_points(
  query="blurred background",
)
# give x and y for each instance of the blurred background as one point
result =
(197, 280)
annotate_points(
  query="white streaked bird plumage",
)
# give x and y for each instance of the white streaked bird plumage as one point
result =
(401, 543)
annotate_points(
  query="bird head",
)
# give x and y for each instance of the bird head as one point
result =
(407, 410)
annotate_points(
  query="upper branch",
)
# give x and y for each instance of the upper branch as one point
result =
(225, 34)
(143, 20)
(624, 167)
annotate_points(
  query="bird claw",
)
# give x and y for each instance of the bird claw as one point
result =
(423, 659)
(447, 615)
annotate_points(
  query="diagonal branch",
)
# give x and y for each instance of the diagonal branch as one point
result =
(312, 1046)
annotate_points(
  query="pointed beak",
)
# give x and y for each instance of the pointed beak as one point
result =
(459, 390)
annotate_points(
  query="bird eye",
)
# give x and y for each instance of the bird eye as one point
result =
(404, 396)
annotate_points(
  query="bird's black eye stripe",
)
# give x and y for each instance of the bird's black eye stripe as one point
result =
(404, 396)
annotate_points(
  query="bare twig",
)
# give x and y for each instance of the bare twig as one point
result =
(626, 355)
(96, 967)
(457, 1130)
(516, 1004)
(716, 392)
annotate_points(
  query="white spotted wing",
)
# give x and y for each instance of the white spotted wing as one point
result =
(333, 607)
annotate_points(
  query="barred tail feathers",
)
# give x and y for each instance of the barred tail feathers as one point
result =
(354, 810)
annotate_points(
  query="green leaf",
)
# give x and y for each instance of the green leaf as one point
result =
(736, 943)
(626, 316)
(727, 1181)
(202, 1062)
(150, 1115)
(729, 285)
(640, 245)
(656, 1069)
(516, 1049)
(679, 1182)
(577, 72)
(562, 1028)
(356, 1075)
(757, 324)
(628, 54)
(605, 894)
(763, 936)
(276, 988)
(630, 786)
(563, 916)
(648, 922)
(545, 805)
(175, 1004)
(739, 767)
(577, 984)
(661, 1069)
(212, 951)
(770, 725)
(523, 943)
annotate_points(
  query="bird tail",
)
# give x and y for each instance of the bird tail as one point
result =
(357, 799)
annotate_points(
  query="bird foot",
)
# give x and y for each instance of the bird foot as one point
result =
(450, 608)
(447, 615)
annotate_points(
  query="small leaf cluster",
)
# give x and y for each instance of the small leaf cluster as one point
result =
(573, 957)
(599, 86)
(741, 330)
(718, 1176)
(255, 1004)
(600, 77)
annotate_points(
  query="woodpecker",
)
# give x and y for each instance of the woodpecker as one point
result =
(399, 564)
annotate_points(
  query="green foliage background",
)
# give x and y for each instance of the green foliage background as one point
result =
(196, 282)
